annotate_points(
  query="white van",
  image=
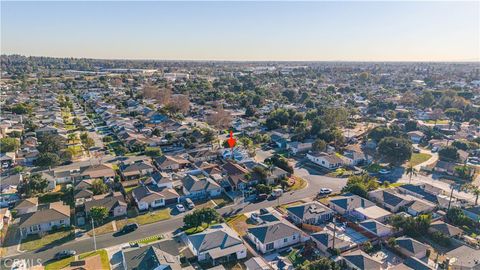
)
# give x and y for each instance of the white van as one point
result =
(277, 192)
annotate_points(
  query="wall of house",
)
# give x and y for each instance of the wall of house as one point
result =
(158, 203)
(119, 211)
(281, 243)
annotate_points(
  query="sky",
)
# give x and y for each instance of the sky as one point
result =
(283, 31)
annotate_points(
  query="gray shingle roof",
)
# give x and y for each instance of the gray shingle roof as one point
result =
(273, 231)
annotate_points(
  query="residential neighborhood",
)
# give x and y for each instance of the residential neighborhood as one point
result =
(123, 146)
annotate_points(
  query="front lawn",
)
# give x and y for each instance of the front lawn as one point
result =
(152, 217)
(295, 257)
(34, 242)
(103, 257)
(298, 183)
(418, 158)
(103, 229)
(222, 201)
(198, 229)
(239, 224)
(56, 265)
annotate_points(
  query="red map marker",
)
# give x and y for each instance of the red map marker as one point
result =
(232, 141)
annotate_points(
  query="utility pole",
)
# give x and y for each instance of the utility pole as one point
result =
(334, 233)
(94, 239)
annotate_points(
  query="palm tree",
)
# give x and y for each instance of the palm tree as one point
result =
(475, 190)
(411, 171)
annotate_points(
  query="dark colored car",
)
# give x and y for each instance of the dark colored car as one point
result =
(129, 228)
(64, 254)
(262, 197)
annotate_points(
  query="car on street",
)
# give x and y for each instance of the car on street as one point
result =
(261, 197)
(384, 171)
(325, 191)
(277, 192)
(190, 203)
(64, 254)
(180, 208)
(129, 228)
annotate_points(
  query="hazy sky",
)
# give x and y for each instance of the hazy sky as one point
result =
(356, 31)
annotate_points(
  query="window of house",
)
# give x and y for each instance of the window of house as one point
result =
(285, 240)
(269, 246)
(294, 237)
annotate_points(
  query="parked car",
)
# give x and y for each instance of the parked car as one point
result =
(64, 254)
(277, 192)
(129, 228)
(180, 208)
(261, 197)
(384, 171)
(325, 191)
(255, 218)
(190, 203)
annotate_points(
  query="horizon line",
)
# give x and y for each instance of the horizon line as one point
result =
(220, 60)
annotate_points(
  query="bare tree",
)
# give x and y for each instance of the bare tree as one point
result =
(180, 103)
(220, 118)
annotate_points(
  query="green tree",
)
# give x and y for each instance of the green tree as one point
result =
(395, 150)
(153, 151)
(427, 99)
(98, 214)
(323, 263)
(36, 184)
(47, 160)
(448, 153)
(9, 145)
(18, 169)
(360, 184)
(319, 145)
(263, 189)
(51, 144)
(99, 187)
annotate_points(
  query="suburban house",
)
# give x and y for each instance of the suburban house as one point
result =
(416, 136)
(257, 263)
(371, 212)
(114, 202)
(389, 199)
(420, 206)
(412, 263)
(310, 213)
(237, 176)
(360, 260)
(161, 179)
(324, 241)
(48, 217)
(377, 228)
(354, 155)
(472, 213)
(198, 185)
(346, 203)
(100, 171)
(26, 206)
(411, 247)
(202, 155)
(275, 235)
(464, 258)
(299, 147)
(170, 163)
(445, 229)
(147, 197)
(135, 170)
(150, 257)
(217, 244)
(11, 181)
(328, 161)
